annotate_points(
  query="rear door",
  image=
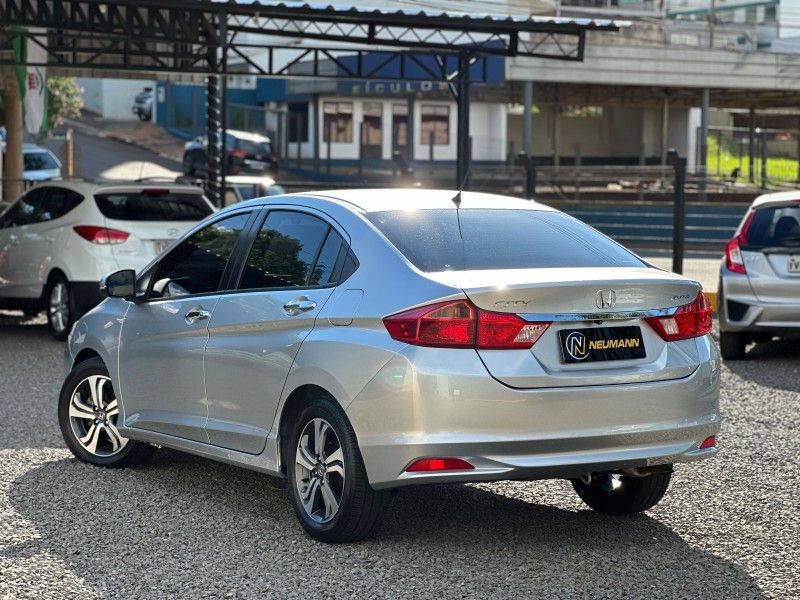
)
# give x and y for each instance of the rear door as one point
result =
(17, 270)
(772, 255)
(153, 218)
(290, 272)
(161, 352)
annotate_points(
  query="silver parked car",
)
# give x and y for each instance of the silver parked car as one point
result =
(358, 341)
(759, 286)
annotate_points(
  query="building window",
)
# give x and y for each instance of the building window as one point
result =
(298, 121)
(373, 116)
(399, 123)
(337, 122)
(435, 119)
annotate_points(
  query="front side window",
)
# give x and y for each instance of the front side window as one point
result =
(337, 122)
(435, 121)
(291, 250)
(197, 265)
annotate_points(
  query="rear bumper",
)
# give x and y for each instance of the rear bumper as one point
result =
(409, 412)
(741, 310)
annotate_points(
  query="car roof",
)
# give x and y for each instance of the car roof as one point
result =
(33, 148)
(776, 198)
(249, 136)
(374, 200)
(87, 186)
(250, 179)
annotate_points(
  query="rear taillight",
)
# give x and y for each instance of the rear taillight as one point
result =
(101, 235)
(733, 249)
(238, 153)
(460, 324)
(733, 256)
(689, 321)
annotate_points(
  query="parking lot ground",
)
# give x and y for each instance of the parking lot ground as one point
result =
(183, 527)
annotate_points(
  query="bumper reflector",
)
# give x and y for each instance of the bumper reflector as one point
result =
(439, 464)
(709, 442)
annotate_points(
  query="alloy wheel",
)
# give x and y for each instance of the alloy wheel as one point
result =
(58, 309)
(93, 413)
(319, 470)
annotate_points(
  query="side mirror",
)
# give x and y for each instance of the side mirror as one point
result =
(120, 284)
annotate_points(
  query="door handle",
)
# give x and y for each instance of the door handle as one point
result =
(299, 305)
(196, 314)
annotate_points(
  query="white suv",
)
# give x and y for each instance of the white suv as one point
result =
(59, 239)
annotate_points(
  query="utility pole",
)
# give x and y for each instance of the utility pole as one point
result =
(712, 21)
(12, 103)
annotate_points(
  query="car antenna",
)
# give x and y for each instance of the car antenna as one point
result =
(457, 201)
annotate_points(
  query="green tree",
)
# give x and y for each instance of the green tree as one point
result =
(65, 100)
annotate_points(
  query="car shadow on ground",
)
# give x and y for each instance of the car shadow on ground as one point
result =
(184, 523)
(21, 326)
(783, 357)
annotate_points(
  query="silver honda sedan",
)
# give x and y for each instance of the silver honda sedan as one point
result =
(359, 341)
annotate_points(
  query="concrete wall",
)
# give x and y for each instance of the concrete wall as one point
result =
(616, 133)
(112, 98)
(665, 67)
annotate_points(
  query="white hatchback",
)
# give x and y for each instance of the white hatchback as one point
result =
(60, 238)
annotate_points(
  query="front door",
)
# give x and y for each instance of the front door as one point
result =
(255, 333)
(162, 387)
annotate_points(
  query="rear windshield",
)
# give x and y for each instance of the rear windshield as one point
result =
(497, 239)
(262, 149)
(37, 161)
(153, 206)
(777, 226)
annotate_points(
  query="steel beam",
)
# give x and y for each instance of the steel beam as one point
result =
(463, 140)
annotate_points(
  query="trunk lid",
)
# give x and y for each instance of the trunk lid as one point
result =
(570, 300)
(572, 290)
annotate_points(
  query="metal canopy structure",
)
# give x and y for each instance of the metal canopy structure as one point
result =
(284, 40)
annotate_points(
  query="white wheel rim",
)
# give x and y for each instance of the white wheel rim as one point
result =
(93, 413)
(319, 471)
(58, 310)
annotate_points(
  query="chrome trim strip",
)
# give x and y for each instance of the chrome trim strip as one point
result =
(598, 316)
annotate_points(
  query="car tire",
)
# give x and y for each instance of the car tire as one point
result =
(188, 166)
(87, 415)
(622, 494)
(60, 306)
(732, 345)
(328, 485)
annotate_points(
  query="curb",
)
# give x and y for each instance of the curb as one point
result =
(94, 131)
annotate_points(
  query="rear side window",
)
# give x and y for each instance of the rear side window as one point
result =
(197, 264)
(153, 205)
(58, 202)
(293, 249)
(497, 239)
(777, 226)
